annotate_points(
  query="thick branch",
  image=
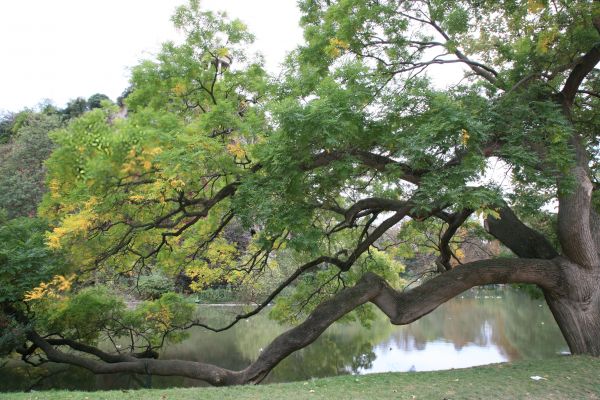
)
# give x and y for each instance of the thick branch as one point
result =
(343, 265)
(107, 357)
(585, 65)
(401, 307)
(574, 211)
(372, 160)
(518, 237)
(406, 307)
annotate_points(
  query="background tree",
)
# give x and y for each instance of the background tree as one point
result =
(95, 100)
(24, 147)
(22, 171)
(350, 143)
(79, 106)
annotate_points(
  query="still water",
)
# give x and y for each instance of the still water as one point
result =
(481, 327)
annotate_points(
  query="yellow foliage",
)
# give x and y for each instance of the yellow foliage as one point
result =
(162, 316)
(221, 252)
(236, 150)
(464, 136)
(91, 202)
(52, 289)
(144, 159)
(72, 224)
(202, 276)
(220, 257)
(544, 41)
(223, 52)
(128, 167)
(136, 198)
(53, 239)
(336, 46)
(54, 187)
(176, 183)
(533, 6)
(179, 89)
(152, 151)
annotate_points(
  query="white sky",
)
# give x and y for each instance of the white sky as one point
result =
(63, 49)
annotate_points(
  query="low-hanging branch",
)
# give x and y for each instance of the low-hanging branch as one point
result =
(400, 307)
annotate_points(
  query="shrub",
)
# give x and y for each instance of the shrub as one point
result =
(151, 287)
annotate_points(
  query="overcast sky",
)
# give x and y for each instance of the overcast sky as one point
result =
(63, 49)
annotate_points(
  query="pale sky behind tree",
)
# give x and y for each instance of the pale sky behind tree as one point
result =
(58, 50)
(63, 49)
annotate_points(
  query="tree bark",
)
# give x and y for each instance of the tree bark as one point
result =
(576, 308)
(400, 307)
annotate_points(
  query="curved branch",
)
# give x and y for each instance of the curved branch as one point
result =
(373, 160)
(455, 221)
(107, 357)
(480, 69)
(343, 265)
(585, 65)
(406, 307)
(400, 307)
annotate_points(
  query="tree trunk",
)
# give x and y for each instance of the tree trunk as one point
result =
(577, 310)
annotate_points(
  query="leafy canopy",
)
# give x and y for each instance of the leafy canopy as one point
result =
(318, 164)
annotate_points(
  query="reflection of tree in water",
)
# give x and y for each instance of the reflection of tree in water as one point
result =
(529, 328)
(327, 357)
(460, 322)
(514, 323)
(344, 348)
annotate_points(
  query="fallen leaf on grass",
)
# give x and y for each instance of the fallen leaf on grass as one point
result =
(538, 378)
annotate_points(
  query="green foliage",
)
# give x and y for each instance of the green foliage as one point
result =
(217, 295)
(160, 319)
(151, 287)
(313, 288)
(25, 261)
(12, 335)
(209, 139)
(6, 125)
(22, 171)
(75, 108)
(533, 291)
(85, 315)
(94, 312)
(96, 100)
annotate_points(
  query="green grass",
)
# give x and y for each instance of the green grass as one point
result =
(575, 377)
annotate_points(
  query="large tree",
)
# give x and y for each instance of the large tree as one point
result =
(22, 172)
(352, 142)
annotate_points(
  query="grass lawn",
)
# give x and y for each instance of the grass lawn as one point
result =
(564, 377)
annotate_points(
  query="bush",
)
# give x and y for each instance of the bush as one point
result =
(151, 287)
(219, 295)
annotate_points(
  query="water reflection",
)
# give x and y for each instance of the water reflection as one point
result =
(481, 327)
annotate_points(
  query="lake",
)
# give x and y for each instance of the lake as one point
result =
(481, 327)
